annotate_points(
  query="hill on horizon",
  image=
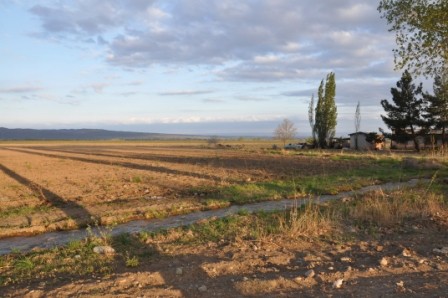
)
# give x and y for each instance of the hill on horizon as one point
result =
(82, 134)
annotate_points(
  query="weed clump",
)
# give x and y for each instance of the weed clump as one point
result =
(310, 220)
(387, 210)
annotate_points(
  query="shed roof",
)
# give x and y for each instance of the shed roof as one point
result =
(359, 133)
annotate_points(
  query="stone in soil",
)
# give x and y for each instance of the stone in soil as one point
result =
(406, 252)
(310, 273)
(338, 283)
(104, 250)
(443, 250)
(346, 259)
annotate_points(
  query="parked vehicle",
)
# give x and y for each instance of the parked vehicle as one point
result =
(293, 146)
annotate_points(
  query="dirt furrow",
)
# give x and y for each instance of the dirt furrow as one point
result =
(119, 163)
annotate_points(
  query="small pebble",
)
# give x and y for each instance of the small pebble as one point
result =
(346, 259)
(310, 273)
(406, 253)
(202, 288)
(104, 250)
(338, 284)
(384, 262)
(443, 250)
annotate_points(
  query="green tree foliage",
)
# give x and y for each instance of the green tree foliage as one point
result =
(437, 105)
(404, 116)
(326, 112)
(421, 28)
(285, 131)
(374, 138)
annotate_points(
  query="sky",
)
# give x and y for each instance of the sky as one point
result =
(211, 67)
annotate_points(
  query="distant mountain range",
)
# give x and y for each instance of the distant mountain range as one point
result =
(81, 134)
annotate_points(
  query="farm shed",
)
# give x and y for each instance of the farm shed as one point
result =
(431, 139)
(363, 144)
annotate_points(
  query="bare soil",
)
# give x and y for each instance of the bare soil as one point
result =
(58, 187)
(63, 187)
(275, 267)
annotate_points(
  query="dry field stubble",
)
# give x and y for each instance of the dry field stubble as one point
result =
(58, 186)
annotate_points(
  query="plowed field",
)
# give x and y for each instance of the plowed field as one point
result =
(54, 186)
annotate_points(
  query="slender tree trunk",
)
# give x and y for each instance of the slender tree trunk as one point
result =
(414, 137)
(443, 140)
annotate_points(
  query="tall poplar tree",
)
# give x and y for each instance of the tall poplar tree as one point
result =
(404, 116)
(311, 119)
(326, 111)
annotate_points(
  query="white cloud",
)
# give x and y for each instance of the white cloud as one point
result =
(154, 13)
(99, 87)
(144, 33)
(213, 100)
(266, 59)
(201, 119)
(358, 12)
(21, 89)
(185, 92)
(135, 83)
(263, 41)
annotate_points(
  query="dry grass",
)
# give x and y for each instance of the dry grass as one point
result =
(377, 208)
(311, 220)
(387, 210)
